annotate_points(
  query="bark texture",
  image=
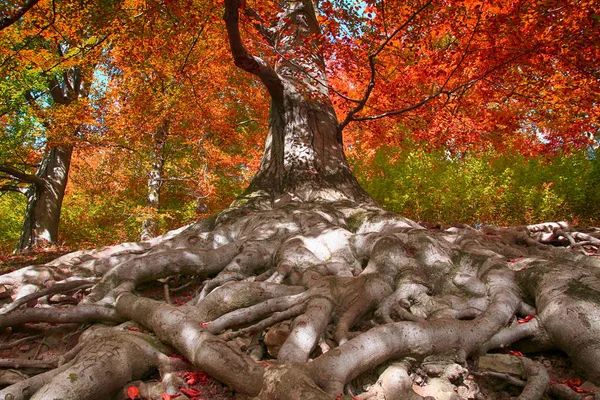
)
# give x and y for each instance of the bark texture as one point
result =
(44, 200)
(315, 300)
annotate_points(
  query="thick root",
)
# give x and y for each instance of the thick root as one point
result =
(331, 291)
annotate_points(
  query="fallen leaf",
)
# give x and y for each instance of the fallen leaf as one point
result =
(133, 392)
(526, 319)
(193, 377)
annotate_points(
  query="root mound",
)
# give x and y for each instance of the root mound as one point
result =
(308, 300)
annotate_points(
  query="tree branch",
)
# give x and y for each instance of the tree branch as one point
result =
(257, 22)
(361, 104)
(21, 175)
(441, 91)
(194, 42)
(12, 188)
(242, 58)
(7, 19)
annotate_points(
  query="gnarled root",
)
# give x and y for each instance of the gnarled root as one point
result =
(332, 291)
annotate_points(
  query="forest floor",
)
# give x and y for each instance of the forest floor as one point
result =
(46, 342)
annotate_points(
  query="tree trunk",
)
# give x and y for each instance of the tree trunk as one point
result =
(155, 181)
(44, 200)
(304, 152)
(45, 195)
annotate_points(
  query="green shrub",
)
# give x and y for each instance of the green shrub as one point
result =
(502, 188)
(12, 210)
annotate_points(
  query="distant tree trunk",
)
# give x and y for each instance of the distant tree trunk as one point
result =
(46, 188)
(155, 181)
(44, 200)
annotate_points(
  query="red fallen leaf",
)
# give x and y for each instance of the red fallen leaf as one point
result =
(512, 261)
(203, 324)
(191, 392)
(299, 274)
(133, 392)
(515, 353)
(129, 328)
(574, 384)
(526, 319)
(193, 377)
(266, 364)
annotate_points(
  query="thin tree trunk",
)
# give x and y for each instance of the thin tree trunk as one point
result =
(155, 180)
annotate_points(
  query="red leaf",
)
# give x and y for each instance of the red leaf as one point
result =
(515, 353)
(203, 324)
(133, 392)
(193, 377)
(266, 364)
(129, 328)
(526, 319)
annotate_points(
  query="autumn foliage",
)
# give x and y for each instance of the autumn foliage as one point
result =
(460, 77)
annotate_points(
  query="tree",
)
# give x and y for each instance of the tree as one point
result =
(306, 264)
(44, 112)
(46, 188)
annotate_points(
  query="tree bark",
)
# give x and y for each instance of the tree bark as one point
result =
(304, 153)
(155, 181)
(44, 200)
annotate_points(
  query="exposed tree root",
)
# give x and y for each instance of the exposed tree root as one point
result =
(335, 292)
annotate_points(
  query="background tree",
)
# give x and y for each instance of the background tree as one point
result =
(43, 111)
(305, 260)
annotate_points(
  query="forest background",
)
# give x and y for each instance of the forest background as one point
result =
(512, 161)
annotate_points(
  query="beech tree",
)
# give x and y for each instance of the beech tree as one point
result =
(44, 110)
(45, 189)
(304, 284)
